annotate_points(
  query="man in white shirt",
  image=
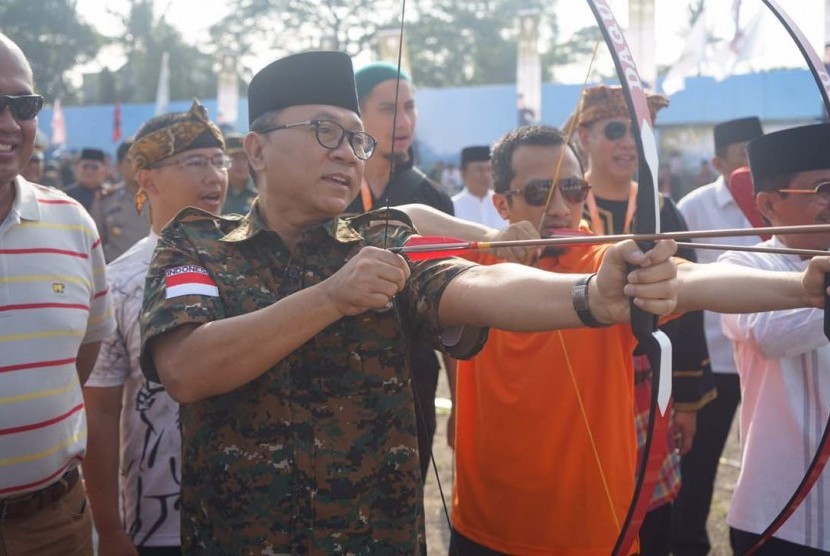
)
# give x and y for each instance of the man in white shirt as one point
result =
(712, 206)
(134, 436)
(783, 357)
(475, 201)
(54, 312)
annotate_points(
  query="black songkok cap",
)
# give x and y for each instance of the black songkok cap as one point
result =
(737, 131)
(92, 154)
(306, 78)
(474, 154)
(788, 152)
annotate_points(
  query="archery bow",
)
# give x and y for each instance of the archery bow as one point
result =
(652, 341)
(822, 454)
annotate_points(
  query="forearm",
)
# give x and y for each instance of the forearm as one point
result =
(729, 288)
(513, 297)
(220, 356)
(87, 355)
(100, 466)
(433, 222)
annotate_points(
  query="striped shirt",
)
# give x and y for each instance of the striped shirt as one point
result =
(53, 299)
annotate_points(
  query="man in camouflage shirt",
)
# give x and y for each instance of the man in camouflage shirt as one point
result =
(284, 334)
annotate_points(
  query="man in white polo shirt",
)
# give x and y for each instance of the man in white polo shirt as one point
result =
(54, 311)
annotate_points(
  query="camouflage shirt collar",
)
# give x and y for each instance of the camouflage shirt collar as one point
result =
(249, 226)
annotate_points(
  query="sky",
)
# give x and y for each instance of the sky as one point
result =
(194, 17)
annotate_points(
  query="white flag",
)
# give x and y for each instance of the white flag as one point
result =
(227, 97)
(163, 89)
(694, 52)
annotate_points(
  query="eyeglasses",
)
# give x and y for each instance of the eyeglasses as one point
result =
(22, 107)
(198, 163)
(536, 192)
(821, 190)
(91, 165)
(615, 130)
(330, 135)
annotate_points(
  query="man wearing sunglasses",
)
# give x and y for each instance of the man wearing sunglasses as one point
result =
(783, 357)
(716, 205)
(605, 135)
(179, 162)
(90, 173)
(54, 312)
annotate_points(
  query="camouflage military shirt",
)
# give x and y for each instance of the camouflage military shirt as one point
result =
(318, 454)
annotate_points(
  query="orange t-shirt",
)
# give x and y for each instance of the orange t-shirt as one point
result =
(527, 479)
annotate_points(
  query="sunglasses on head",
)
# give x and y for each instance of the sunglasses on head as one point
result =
(615, 130)
(22, 107)
(536, 192)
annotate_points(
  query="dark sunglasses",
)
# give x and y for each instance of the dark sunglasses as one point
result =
(23, 107)
(615, 130)
(821, 190)
(536, 192)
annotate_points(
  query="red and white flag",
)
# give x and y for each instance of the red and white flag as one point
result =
(58, 124)
(189, 280)
(116, 122)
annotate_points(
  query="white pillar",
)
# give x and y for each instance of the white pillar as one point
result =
(529, 69)
(641, 38)
(826, 50)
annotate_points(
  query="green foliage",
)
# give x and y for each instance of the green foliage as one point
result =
(290, 26)
(53, 38)
(144, 41)
(468, 43)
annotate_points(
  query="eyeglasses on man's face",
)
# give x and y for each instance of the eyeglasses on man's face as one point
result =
(536, 192)
(22, 107)
(330, 135)
(198, 163)
(615, 130)
(821, 191)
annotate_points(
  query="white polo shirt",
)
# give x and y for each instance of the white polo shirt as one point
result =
(53, 299)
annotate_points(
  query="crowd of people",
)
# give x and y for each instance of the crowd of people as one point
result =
(254, 371)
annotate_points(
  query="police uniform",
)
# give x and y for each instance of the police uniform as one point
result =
(119, 224)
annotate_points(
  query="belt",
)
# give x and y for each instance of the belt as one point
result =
(17, 507)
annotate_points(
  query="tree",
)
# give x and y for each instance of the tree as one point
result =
(145, 39)
(54, 38)
(291, 26)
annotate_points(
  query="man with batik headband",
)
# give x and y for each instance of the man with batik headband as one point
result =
(134, 457)
(783, 357)
(721, 204)
(605, 135)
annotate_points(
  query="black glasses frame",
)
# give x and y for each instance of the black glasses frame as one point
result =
(362, 144)
(22, 107)
(536, 192)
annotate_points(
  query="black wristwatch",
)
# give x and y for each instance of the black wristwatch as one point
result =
(579, 295)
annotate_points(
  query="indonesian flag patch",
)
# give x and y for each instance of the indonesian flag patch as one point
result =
(189, 280)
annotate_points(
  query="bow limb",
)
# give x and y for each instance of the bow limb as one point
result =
(652, 341)
(822, 453)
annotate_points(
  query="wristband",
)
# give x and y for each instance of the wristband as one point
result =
(579, 296)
